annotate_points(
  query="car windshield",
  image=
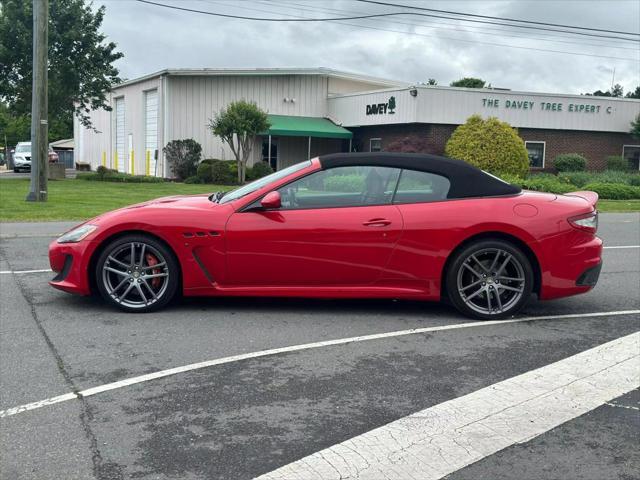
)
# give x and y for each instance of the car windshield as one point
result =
(258, 184)
(23, 148)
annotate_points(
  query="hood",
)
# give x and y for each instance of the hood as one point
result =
(177, 206)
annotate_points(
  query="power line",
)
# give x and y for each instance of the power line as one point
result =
(475, 42)
(360, 17)
(377, 2)
(439, 25)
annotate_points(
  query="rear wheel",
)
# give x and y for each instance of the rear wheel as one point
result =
(489, 279)
(137, 273)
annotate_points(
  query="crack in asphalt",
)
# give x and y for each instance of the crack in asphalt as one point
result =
(101, 470)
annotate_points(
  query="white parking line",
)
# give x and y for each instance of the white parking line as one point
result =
(17, 272)
(442, 439)
(294, 348)
(621, 246)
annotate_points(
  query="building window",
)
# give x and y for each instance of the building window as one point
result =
(632, 154)
(536, 154)
(375, 145)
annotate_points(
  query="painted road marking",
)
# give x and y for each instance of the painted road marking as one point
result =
(442, 439)
(294, 348)
(621, 246)
(18, 272)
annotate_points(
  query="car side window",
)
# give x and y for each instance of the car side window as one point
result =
(417, 187)
(341, 187)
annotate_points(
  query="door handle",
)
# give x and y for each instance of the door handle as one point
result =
(377, 222)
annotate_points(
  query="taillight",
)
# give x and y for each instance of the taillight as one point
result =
(587, 222)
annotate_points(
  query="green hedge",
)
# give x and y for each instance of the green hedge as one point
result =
(570, 162)
(491, 145)
(344, 183)
(108, 175)
(580, 179)
(617, 162)
(614, 191)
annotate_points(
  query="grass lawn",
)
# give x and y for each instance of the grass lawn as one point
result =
(619, 205)
(80, 199)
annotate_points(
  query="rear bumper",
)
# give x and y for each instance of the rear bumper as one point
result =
(589, 277)
(70, 262)
(571, 266)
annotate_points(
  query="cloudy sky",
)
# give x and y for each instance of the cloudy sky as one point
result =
(408, 48)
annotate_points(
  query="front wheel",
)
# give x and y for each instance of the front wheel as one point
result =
(489, 280)
(137, 273)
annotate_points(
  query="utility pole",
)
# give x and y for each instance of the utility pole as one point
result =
(39, 104)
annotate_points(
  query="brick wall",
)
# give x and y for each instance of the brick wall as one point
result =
(595, 146)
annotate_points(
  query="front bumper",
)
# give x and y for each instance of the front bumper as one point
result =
(70, 262)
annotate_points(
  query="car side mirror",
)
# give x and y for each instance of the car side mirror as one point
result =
(271, 201)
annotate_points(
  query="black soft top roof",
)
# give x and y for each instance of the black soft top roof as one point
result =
(466, 180)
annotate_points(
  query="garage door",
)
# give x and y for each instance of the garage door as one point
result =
(120, 141)
(151, 129)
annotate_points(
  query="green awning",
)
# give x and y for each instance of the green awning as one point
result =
(290, 126)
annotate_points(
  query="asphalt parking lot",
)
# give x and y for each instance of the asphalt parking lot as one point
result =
(265, 411)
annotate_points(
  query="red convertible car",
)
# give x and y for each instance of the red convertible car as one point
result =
(377, 225)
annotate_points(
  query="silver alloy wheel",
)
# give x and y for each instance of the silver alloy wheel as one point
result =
(491, 281)
(135, 275)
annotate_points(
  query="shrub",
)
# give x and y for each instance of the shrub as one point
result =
(570, 162)
(183, 157)
(204, 172)
(617, 162)
(491, 145)
(193, 179)
(634, 180)
(344, 183)
(579, 179)
(614, 191)
(512, 179)
(259, 170)
(113, 176)
(221, 174)
(547, 183)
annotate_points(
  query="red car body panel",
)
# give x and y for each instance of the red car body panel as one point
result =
(387, 251)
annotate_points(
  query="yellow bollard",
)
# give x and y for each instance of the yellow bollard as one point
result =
(117, 160)
(148, 163)
(132, 163)
(104, 159)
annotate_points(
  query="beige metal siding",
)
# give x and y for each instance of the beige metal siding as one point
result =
(193, 101)
(454, 106)
(91, 146)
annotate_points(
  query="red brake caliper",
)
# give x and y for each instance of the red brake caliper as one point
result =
(151, 261)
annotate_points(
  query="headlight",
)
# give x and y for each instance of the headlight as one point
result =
(77, 234)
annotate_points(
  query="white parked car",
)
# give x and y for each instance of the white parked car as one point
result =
(22, 157)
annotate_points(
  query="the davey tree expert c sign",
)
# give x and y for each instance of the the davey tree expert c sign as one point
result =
(382, 108)
(544, 106)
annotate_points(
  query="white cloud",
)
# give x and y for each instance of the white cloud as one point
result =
(153, 38)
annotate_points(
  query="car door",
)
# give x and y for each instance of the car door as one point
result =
(335, 227)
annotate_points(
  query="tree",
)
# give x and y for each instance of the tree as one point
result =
(392, 104)
(634, 94)
(183, 157)
(15, 128)
(491, 145)
(81, 69)
(432, 81)
(635, 127)
(469, 82)
(617, 90)
(237, 126)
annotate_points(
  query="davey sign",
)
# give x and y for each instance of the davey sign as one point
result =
(382, 108)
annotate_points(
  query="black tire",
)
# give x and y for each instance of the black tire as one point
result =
(481, 291)
(144, 295)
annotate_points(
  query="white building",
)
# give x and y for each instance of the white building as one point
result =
(317, 111)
